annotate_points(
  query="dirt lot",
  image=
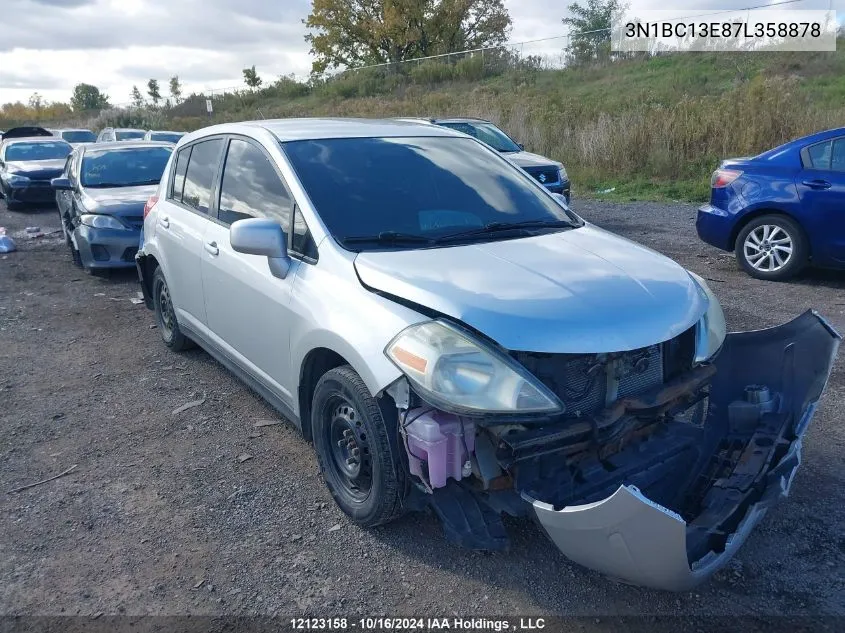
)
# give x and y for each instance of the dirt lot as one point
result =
(161, 516)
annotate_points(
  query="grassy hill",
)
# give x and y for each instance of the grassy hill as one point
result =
(650, 128)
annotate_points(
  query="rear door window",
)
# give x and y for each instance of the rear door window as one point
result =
(199, 178)
(178, 182)
(251, 187)
(837, 161)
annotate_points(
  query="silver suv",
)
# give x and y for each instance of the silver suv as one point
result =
(450, 335)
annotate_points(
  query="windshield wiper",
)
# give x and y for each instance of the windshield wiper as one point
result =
(389, 237)
(503, 227)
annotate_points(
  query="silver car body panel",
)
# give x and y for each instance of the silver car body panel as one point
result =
(532, 293)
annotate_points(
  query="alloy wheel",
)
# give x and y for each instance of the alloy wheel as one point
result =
(768, 248)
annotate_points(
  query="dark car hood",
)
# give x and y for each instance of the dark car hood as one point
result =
(579, 291)
(121, 201)
(37, 169)
(527, 159)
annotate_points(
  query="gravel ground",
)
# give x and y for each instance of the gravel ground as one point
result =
(165, 515)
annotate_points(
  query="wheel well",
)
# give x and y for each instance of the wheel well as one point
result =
(756, 214)
(316, 363)
(150, 265)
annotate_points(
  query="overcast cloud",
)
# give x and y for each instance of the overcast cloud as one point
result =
(48, 46)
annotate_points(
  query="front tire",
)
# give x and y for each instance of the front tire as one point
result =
(772, 247)
(165, 315)
(357, 457)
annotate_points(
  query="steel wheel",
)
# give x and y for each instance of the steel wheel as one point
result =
(168, 317)
(768, 248)
(350, 450)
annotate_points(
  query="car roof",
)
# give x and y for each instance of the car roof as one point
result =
(314, 129)
(134, 143)
(780, 152)
(26, 131)
(72, 129)
(34, 139)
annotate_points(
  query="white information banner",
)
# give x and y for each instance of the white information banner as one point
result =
(656, 31)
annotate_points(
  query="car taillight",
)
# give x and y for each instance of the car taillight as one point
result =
(724, 177)
(149, 205)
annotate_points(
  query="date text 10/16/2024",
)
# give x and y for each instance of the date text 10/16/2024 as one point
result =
(417, 624)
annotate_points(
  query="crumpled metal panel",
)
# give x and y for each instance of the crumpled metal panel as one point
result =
(631, 538)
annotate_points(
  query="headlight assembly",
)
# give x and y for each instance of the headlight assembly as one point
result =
(101, 221)
(711, 330)
(454, 372)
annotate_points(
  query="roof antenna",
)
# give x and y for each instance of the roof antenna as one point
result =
(260, 113)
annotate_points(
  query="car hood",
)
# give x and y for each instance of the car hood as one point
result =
(579, 291)
(527, 159)
(37, 169)
(122, 201)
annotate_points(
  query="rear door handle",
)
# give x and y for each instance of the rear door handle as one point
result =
(165, 222)
(816, 184)
(211, 248)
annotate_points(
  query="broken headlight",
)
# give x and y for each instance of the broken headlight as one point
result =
(454, 372)
(711, 330)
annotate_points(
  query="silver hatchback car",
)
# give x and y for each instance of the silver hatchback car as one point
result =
(451, 336)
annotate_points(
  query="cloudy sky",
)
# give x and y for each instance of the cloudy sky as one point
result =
(48, 46)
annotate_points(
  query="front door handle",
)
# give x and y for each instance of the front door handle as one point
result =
(165, 222)
(816, 184)
(211, 248)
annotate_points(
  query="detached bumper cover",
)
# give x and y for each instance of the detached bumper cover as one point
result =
(629, 537)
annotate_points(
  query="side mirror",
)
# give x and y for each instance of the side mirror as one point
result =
(61, 184)
(257, 236)
(521, 146)
(561, 200)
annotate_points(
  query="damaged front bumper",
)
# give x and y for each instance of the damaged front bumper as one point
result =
(764, 392)
(658, 489)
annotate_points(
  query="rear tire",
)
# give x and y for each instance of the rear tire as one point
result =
(347, 424)
(165, 315)
(12, 205)
(772, 247)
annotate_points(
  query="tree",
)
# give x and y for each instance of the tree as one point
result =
(176, 89)
(137, 97)
(359, 32)
(251, 78)
(88, 97)
(36, 102)
(153, 91)
(589, 27)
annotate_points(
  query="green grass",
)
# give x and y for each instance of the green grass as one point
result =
(653, 129)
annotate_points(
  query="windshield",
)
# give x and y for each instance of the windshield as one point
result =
(169, 137)
(429, 187)
(79, 136)
(38, 151)
(126, 135)
(124, 167)
(486, 133)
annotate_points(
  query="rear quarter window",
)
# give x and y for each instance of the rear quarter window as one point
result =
(817, 156)
(199, 178)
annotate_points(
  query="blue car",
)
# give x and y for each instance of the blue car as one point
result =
(101, 198)
(781, 210)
